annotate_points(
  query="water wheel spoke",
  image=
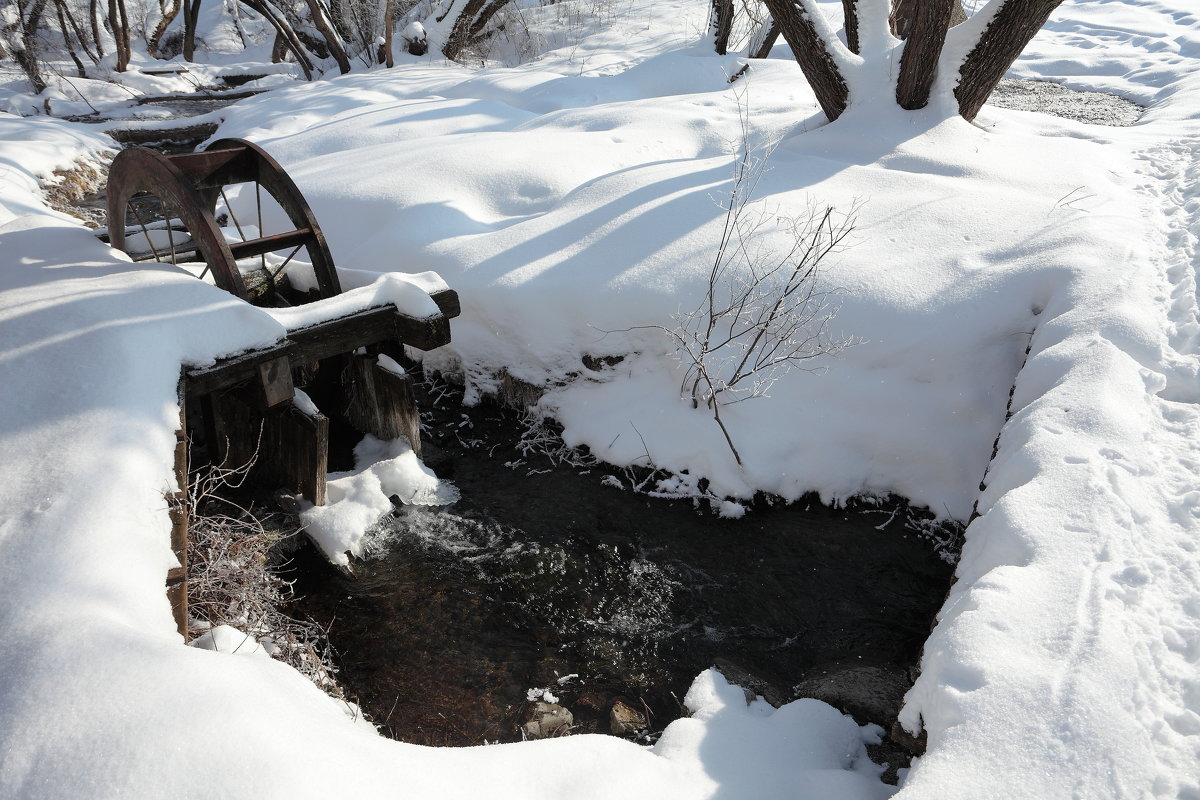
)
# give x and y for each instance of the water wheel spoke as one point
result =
(145, 232)
(286, 261)
(233, 216)
(171, 235)
(258, 202)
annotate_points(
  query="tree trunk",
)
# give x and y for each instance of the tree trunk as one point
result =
(191, 18)
(1016, 22)
(279, 49)
(77, 31)
(389, 33)
(850, 11)
(118, 20)
(721, 25)
(332, 40)
(65, 29)
(485, 16)
(284, 32)
(30, 18)
(763, 39)
(168, 16)
(94, 17)
(926, 24)
(812, 53)
(470, 25)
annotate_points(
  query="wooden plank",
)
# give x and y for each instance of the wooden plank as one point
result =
(447, 302)
(237, 428)
(177, 596)
(288, 447)
(323, 340)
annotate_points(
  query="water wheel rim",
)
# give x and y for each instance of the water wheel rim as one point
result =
(280, 186)
(141, 170)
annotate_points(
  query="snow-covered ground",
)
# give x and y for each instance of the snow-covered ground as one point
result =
(579, 196)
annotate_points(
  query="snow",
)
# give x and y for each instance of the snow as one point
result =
(574, 202)
(357, 499)
(32, 150)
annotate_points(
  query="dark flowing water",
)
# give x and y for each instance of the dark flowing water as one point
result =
(544, 577)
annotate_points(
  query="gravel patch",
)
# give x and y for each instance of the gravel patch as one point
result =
(1094, 108)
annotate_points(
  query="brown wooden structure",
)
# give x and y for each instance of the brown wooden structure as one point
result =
(164, 208)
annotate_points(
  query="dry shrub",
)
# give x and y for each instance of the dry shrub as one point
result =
(67, 190)
(235, 556)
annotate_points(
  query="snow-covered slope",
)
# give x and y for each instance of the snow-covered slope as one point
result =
(579, 196)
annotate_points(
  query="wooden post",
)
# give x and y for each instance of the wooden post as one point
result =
(295, 451)
(178, 509)
(289, 447)
(381, 402)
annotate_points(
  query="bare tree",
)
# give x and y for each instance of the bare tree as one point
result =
(765, 311)
(924, 25)
(389, 33)
(118, 20)
(168, 11)
(721, 25)
(470, 29)
(286, 39)
(321, 20)
(724, 18)
(94, 19)
(191, 18)
(23, 40)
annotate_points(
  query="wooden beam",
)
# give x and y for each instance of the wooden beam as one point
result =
(269, 244)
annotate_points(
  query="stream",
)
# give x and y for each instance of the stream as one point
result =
(545, 579)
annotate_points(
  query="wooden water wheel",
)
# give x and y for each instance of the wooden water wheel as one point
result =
(175, 209)
(164, 208)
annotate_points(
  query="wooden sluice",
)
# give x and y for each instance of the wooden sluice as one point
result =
(269, 407)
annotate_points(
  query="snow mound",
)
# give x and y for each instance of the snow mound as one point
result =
(356, 500)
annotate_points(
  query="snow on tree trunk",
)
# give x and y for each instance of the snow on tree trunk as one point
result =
(285, 33)
(25, 49)
(795, 20)
(1010, 24)
(168, 16)
(1014, 24)
(721, 25)
(416, 40)
(764, 38)
(332, 40)
(470, 26)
